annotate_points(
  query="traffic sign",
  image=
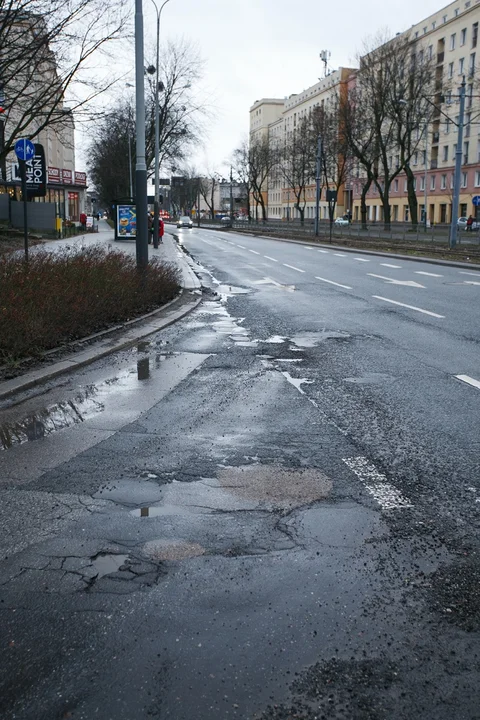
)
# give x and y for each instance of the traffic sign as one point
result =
(25, 149)
(476, 200)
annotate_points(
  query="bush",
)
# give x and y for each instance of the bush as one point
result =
(66, 295)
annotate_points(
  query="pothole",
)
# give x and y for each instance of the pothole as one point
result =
(228, 290)
(172, 549)
(276, 486)
(311, 339)
(108, 563)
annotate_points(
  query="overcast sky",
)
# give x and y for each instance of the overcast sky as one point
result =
(270, 48)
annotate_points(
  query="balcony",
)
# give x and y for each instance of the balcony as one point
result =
(435, 138)
(433, 164)
(440, 57)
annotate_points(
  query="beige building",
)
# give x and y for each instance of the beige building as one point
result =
(450, 37)
(274, 118)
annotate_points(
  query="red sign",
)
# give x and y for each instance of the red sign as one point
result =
(67, 177)
(73, 195)
(80, 178)
(54, 175)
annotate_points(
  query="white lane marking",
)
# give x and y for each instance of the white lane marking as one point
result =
(475, 274)
(471, 282)
(420, 272)
(254, 252)
(330, 282)
(292, 267)
(340, 254)
(242, 246)
(306, 247)
(391, 281)
(395, 267)
(270, 258)
(469, 380)
(324, 251)
(410, 307)
(375, 483)
(296, 382)
(361, 259)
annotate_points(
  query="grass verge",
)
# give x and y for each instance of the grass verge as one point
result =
(66, 295)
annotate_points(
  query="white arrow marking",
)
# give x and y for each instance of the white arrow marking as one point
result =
(391, 281)
(420, 272)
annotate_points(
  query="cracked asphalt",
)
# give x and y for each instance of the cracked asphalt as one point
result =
(266, 511)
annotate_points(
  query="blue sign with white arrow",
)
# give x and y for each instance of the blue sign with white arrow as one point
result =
(476, 200)
(24, 149)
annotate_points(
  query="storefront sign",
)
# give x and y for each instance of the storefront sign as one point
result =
(80, 178)
(54, 175)
(126, 221)
(67, 177)
(89, 223)
(36, 173)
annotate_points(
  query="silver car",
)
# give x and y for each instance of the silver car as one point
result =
(185, 221)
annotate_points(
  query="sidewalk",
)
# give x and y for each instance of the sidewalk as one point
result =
(121, 336)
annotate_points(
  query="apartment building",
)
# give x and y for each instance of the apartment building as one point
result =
(275, 119)
(450, 38)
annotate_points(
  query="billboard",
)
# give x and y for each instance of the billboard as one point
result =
(36, 173)
(126, 221)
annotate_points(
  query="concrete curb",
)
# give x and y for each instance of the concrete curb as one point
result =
(134, 330)
(342, 248)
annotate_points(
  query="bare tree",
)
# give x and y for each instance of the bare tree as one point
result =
(48, 51)
(298, 161)
(241, 169)
(207, 186)
(262, 159)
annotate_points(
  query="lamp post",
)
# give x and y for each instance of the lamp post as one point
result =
(157, 130)
(141, 241)
(317, 184)
(425, 190)
(129, 150)
(458, 168)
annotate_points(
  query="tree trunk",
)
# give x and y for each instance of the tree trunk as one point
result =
(363, 204)
(386, 212)
(412, 196)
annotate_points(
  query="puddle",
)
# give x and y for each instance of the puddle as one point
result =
(297, 382)
(143, 346)
(275, 340)
(311, 339)
(107, 563)
(172, 549)
(229, 290)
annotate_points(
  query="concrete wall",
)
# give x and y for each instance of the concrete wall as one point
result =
(41, 216)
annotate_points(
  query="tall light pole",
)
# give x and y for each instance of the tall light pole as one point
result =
(129, 149)
(157, 130)
(141, 242)
(231, 195)
(317, 184)
(425, 189)
(458, 168)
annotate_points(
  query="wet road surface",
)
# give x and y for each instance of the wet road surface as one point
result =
(269, 510)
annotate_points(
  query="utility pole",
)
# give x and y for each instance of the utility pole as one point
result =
(317, 184)
(158, 88)
(425, 189)
(458, 168)
(141, 242)
(231, 195)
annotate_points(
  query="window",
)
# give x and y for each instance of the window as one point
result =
(477, 178)
(443, 182)
(469, 96)
(434, 24)
(447, 126)
(416, 34)
(445, 153)
(463, 36)
(448, 97)
(468, 119)
(395, 186)
(432, 182)
(464, 179)
(424, 157)
(456, 12)
(415, 158)
(422, 183)
(430, 52)
(452, 41)
(474, 34)
(405, 186)
(451, 181)
(414, 183)
(461, 66)
(467, 4)
(466, 146)
(471, 65)
(450, 70)
(445, 18)
(425, 30)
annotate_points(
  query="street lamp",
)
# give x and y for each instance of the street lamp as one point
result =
(141, 241)
(129, 150)
(157, 131)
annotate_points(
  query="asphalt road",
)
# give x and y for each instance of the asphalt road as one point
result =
(269, 510)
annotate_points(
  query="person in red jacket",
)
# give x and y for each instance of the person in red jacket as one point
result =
(161, 232)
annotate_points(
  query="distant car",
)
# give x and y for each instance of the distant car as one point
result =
(462, 224)
(184, 221)
(226, 220)
(341, 221)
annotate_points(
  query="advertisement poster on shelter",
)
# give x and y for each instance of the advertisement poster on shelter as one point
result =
(126, 221)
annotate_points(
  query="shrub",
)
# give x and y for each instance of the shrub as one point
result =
(65, 295)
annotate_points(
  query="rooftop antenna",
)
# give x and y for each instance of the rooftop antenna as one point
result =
(325, 56)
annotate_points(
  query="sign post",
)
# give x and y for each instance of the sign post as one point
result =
(25, 151)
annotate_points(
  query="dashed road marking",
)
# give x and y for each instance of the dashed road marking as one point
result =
(306, 247)
(292, 267)
(410, 307)
(242, 246)
(395, 267)
(254, 252)
(420, 272)
(376, 483)
(475, 274)
(470, 381)
(270, 258)
(361, 259)
(340, 254)
(331, 282)
(327, 252)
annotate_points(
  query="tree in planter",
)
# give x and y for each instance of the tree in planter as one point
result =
(47, 50)
(298, 161)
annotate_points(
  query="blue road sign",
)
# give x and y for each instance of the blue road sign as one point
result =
(476, 200)
(25, 149)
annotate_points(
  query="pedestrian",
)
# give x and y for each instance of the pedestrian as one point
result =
(469, 223)
(83, 220)
(150, 228)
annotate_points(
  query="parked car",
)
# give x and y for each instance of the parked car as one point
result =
(462, 224)
(184, 221)
(226, 221)
(341, 221)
